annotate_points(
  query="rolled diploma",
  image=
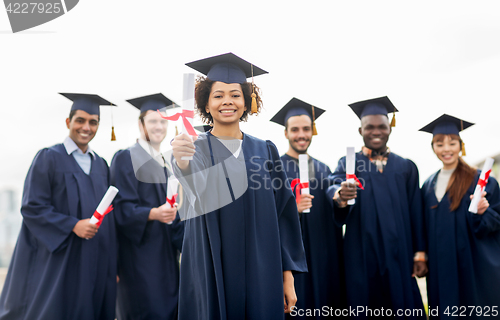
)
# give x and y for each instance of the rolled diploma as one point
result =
(304, 174)
(188, 101)
(350, 165)
(172, 185)
(488, 164)
(105, 203)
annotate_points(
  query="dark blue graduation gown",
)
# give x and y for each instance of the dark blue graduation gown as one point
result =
(148, 259)
(234, 257)
(53, 273)
(464, 251)
(323, 284)
(383, 231)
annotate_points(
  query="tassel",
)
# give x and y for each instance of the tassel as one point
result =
(254, 108)
(254, 104)
(463, 144)
(314, 131)
(113, 137)
(393, 121)
(176, 131)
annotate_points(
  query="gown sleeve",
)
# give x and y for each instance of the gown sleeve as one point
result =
(193, 176)
(131, 218)
(416, 210)
(489, 221)
(48, 226)
(202, 183)
(292, 249)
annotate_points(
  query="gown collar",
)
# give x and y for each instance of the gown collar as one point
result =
(71, 147)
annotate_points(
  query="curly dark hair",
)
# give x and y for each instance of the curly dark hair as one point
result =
(202, 94)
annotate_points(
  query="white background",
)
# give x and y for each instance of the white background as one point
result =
(429, 57)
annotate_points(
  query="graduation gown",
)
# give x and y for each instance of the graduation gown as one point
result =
(234, 256)
(148, 259)
(323, 284)
(383, 231)
(464, 252)
(53, 273)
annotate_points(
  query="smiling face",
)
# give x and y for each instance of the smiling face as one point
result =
(153, 128)
(375, 130)
(299, 133)
(447, 149)
(82, 128)
(226, 103)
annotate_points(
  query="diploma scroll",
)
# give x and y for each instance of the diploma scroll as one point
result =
(481, 184)
(187, 114)
(172, 186)
(188, 106)
(350, 160)
(104, 206)
(304, 175)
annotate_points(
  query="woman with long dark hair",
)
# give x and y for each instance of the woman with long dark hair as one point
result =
(463, 247)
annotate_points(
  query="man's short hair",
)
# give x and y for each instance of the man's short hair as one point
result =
(71, 114)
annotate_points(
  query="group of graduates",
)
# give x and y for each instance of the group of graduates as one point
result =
(250, 249)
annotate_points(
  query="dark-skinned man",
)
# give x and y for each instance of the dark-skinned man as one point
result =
(323, 285)
(62, 267)
(384, 241)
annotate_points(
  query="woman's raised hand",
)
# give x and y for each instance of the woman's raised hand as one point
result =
(183, 146)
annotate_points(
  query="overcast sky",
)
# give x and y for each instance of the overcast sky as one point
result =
(428, 57)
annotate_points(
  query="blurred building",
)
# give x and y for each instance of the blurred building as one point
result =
(10, 224)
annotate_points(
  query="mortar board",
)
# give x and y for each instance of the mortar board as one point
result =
(87, 102)
(153, 102)
(375, 106)
(297, 107)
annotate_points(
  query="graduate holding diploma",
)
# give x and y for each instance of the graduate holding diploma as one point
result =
(464, 247)
(242, 235)
(149, 246)
(323, 284)
(384, 240)
(62, 267)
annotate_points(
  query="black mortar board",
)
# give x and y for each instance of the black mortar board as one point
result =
(297, 107)
(153, 102)
(87, 102)
(446, 124)
(227, 68)
(375, 106)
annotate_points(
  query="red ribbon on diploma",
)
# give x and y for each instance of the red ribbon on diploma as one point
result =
(300, 186)
(482, 182)
(185, 114)
(353, 176)
(100, 217)
(172, 201)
